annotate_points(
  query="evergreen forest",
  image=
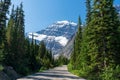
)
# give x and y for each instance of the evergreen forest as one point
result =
(16, 50)
(96, 54)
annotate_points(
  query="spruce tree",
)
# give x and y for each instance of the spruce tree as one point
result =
(84, 59)
(9, 37)
(32, 59)
(4, 6)
(78, 37)
(88, 10)
(10, 26)
(20, 35)
(77, 46)
(42, 49)
(73, 58)
(102, 36)
(78, 42)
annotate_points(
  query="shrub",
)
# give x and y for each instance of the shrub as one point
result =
(111, 73)
(1, 67)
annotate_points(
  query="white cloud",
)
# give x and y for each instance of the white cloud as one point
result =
(39, 37)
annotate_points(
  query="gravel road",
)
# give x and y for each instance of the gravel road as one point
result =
(58, 73)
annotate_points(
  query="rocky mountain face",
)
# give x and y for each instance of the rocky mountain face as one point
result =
(67, 50)
(55, 36)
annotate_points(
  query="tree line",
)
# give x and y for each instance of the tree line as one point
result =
(96, 54)
(16, 50)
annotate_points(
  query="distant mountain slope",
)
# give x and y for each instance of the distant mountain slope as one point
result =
(67, 50)
(56, 36)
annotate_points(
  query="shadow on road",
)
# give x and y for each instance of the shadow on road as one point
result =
(59, 73)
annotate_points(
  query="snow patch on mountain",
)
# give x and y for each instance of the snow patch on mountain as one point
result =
(65, 23)
(60, 24)
(40, 37)
(62, 40)
(36, 36)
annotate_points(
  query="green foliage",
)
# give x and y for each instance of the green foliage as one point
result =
(42, 69)
(62, 60)
(44, 56)
(111, 73)
(1, 55)
(79, 72)
(1, 67)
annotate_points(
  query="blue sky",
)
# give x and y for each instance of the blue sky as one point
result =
(41, 13)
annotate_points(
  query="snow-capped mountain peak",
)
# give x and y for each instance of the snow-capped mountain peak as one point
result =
(62, 24)
(65, 22)
(56, 36)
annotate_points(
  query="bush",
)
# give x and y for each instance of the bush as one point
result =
(22, 70)
(42, 69)
(69, 66)
(78, 72)
(1, 67)
(111, 73)
(82, 72)
(62, 60)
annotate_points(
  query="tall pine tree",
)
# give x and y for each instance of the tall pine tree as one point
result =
(4, 6)
(102, 36)
(9, 37)
(84, 59)
(77, 46)
(88, 10)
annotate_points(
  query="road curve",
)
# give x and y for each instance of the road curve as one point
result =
(58, 73)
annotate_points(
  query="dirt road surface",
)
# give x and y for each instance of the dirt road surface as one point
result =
(58, 73)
